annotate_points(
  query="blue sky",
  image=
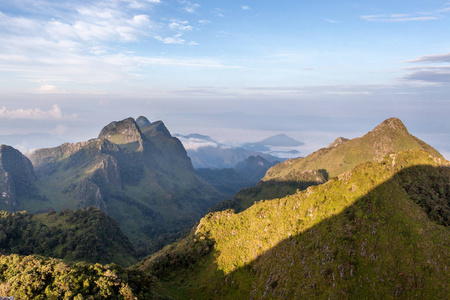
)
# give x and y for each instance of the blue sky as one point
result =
(237, 70)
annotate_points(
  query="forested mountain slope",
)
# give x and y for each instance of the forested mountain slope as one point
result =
(138, 174)
(379, 230)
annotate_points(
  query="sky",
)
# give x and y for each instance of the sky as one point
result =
(239, 71)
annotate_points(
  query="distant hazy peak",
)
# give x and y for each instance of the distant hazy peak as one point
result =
(337, 142)
(392, 125)
(142, 121)
(281, 140)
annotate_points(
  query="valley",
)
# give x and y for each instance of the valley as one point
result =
(362, 217)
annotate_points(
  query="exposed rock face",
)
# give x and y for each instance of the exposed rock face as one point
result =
(391, 124)
(16, 176)
(141, 176)
(337, 142)
(123, 132)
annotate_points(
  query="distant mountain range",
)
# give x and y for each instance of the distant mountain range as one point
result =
(231, 180)
(205, 152)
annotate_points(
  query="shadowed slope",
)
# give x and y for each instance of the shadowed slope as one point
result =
(361, 235)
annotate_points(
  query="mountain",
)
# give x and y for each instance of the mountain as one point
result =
(229, 181)
(279, 140)
(208, 153)
(254, 167)
(379, 230)
(340, 156)
(138, 174)
(17, 178)
(82, 235)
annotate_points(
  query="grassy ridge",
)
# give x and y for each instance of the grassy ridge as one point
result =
(360, 235)
(390, 136)
(340, 156)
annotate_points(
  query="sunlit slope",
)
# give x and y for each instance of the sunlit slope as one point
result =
(340, 156)
(343, 155)
(375, 231)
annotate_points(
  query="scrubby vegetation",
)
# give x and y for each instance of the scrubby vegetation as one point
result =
(82, 235)
(360, 235)
(34, 277)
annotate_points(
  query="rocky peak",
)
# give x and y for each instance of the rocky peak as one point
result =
(123, 132)
(391, 125)
(337, 142)
(142, 122)
(156, 128)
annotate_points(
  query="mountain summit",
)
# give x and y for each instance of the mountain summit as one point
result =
(279, 140)
(136, 172)
(342, 155)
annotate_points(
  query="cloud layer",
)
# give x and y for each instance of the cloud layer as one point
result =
(35, 114)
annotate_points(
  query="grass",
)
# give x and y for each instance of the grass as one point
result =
(359, 235)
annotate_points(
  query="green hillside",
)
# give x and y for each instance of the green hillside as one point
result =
(82, 235)
(343, 155)
(376, 231)
(340, 156)
(139, 175)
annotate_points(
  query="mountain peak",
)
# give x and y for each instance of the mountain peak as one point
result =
(156, 128)
(142, 121)
(123, 132)
(392, 124)
(337, 142)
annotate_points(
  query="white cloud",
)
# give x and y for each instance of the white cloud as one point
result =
(398, 18)
(432, 58)
(245, 7)
(35, 114)
(332, 21)
(176, 39)
(406, 17)
(189, 6)
(218, 12)
(195, 145)
(48, 88)
(176, 25)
